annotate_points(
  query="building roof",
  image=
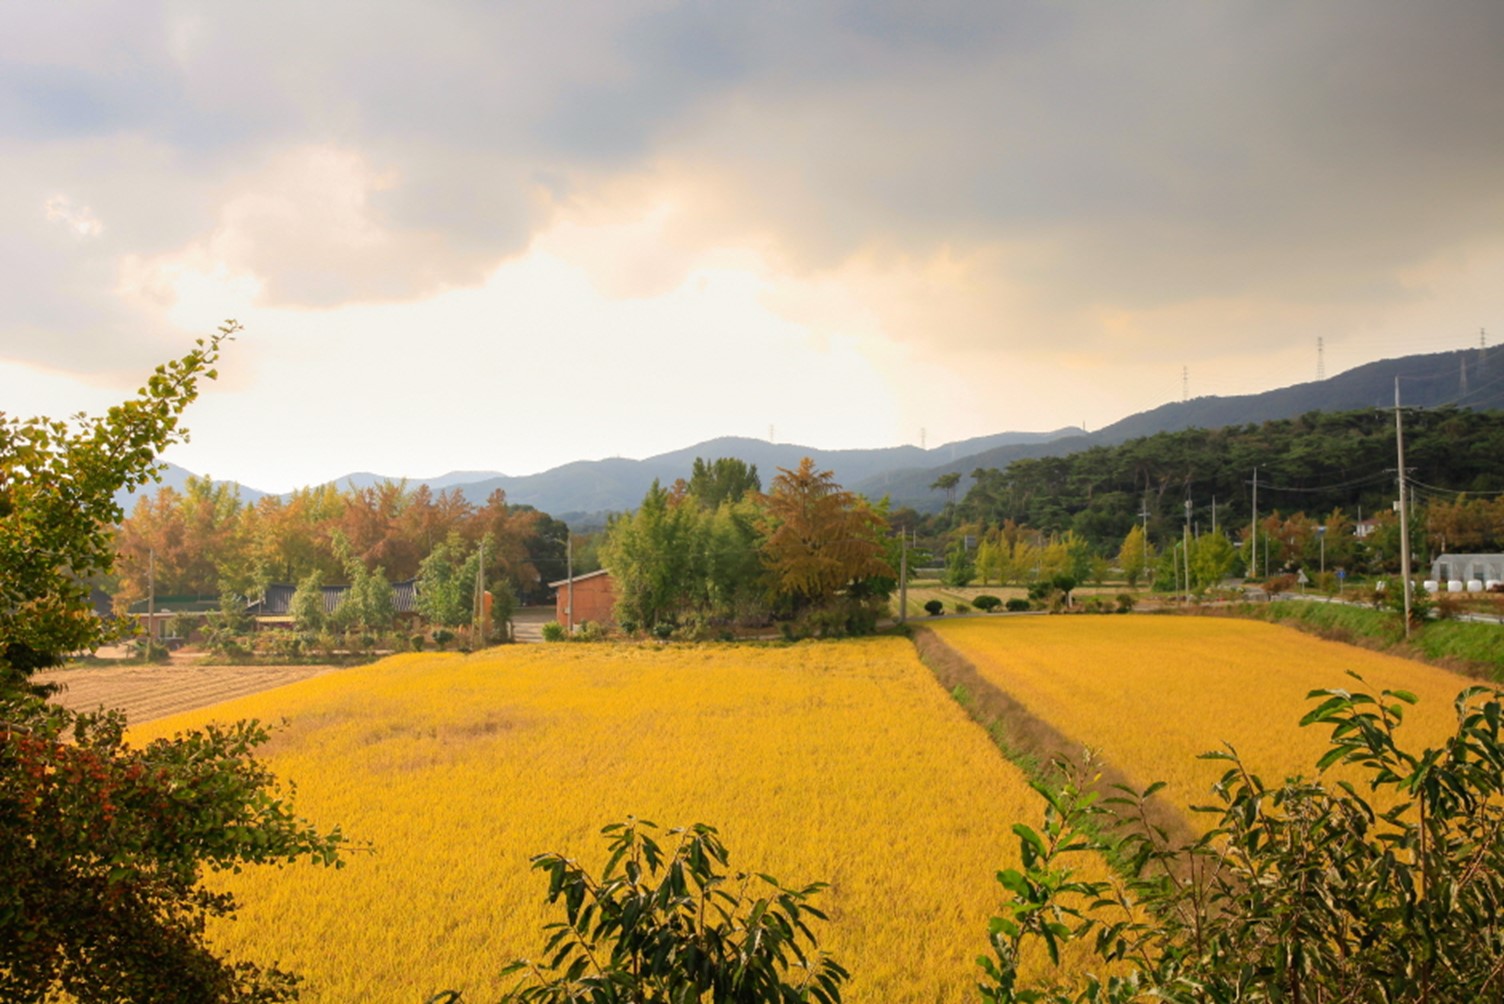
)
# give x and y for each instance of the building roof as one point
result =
(276, 599)
(578, 578)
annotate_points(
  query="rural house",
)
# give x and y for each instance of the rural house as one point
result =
(274, 607)
(593, 595)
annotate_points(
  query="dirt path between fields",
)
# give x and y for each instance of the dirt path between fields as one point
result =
(147, 692)
(1027, 736)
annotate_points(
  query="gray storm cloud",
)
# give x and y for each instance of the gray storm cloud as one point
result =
(1118, 156)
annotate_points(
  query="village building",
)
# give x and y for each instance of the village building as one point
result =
(274, 606)
(593, 596)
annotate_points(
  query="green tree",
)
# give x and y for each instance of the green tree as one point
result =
(650, 556)
(445, 598)
(1307, 891)
(1212, 560)
(57, 488)
(674, 925)
(730, 562)
(725, 479)
(947, 483)
(307, 603)
(1135, 557)
(227, 628)
(370, 602)
(102, 843)
(959, 569)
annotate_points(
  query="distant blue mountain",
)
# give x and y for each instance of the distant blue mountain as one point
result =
(176, 478)
(583, 492)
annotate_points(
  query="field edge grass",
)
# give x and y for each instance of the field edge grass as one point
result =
(1037, 746)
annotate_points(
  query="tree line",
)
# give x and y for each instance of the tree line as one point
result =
(205, 540)
(716, 551)
(1317, 477)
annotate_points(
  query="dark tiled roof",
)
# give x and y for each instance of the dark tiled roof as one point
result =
(276, 600)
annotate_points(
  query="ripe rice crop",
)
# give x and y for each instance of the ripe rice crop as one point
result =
(836, 761)
(1151, 693)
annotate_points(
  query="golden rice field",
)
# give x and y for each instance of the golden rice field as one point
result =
(1150, 693)
(836, 761)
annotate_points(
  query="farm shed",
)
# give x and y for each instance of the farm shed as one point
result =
(594, 597)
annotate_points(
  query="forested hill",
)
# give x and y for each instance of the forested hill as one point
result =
(1313, 464)
(583, 491)
(1473, 378)
(1467, 379)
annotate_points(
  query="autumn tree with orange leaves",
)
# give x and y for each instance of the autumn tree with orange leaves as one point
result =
(824, 550)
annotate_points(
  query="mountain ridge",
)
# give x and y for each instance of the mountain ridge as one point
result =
(583, 492)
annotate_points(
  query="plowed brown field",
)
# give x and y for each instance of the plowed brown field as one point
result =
(148, 692)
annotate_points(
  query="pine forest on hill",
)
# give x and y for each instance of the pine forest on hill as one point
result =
(1313, 464)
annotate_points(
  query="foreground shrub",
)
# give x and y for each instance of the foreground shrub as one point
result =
(1301, 892)
(934, 608)
(673, 926)
(1017, 605)
(554, 631)
(104, 846)
(986, 603)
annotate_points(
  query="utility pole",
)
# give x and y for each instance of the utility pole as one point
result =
(478, 611)
(1399, 448)
(151, 600)
(1187, 550)
(569, 581)
(1144, 512)
(1253, 530)
(903, 577)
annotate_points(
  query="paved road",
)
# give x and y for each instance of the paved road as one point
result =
(527, 622)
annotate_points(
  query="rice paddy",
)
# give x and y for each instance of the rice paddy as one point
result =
(1151, 693)
(841, 762)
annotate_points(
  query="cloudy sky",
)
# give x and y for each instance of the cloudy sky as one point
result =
(510, 235)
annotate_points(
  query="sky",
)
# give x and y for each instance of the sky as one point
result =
(506, 236)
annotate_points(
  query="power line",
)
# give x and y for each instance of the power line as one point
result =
(1339, 486)
(1436, 491)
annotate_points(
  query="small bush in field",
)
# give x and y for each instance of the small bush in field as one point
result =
(986, 603)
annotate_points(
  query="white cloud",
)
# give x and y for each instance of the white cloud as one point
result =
(79, 219)
(980, 208)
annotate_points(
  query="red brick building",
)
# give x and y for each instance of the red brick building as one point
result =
(593, 595)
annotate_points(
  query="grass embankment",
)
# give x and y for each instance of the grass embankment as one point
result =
(834, 761)
(1151, 693)
(1473, 648)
